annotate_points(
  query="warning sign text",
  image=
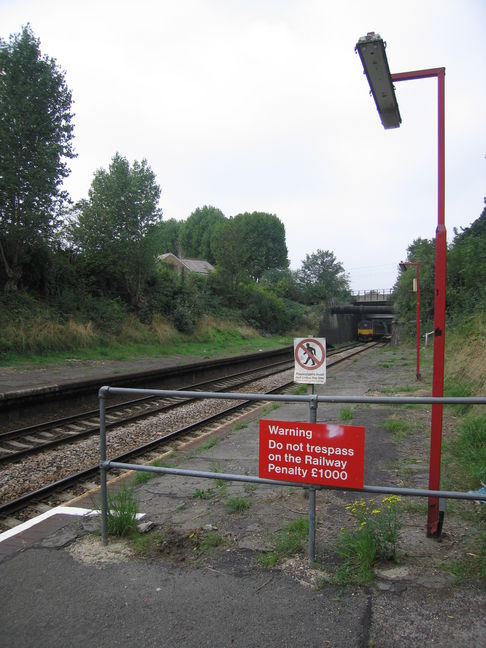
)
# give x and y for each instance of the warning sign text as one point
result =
(315, 453)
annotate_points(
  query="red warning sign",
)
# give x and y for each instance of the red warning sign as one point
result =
(312, 453)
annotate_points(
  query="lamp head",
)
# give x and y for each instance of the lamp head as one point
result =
(371, 50)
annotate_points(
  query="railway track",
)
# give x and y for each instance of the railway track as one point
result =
(25, 441)
(121, 414)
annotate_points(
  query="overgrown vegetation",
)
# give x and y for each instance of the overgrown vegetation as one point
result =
(375, 539)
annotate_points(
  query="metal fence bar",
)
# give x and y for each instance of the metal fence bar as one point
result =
(254, 479)
(313, 401)
(303, 398)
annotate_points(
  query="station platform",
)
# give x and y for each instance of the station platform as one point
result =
(14, 380)
(59, 586)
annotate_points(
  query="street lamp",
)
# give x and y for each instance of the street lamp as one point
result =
(403, 266)
(371, 49)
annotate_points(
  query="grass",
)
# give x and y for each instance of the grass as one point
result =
(397, 427)
(288, 542)
(122, 512)
(42, 341)
(469, 449)
(237, 504)
(301, 389)
(346, 414)
(203, 494)
(207, 445)
(143, 477)
(459, 389)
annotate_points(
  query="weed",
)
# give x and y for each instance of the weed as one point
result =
(122, 512)
(211, 539)
(220, 483)
(301, 389)
(144, 477)
(207, 445)
(461, 571)
(375, 539)
(176, 544)
(269, 408)
(346, 414)
(239, 426)
(206, 494)
(268, 559)
(288, 542)
(398, 428)
(237, 504)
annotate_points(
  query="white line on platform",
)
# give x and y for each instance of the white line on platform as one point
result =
(58, 510)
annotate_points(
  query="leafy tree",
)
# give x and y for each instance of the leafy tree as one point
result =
(262, 239)
(35, 141)
(466, 267)
(196, 233)
(248, 245)
(116, 226)
(282, 282)
(423, 251)
(227, 252)
(167, 233)
(322, 277)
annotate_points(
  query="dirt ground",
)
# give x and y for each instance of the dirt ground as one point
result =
(429, 596)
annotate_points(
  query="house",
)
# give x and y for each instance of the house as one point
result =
(200, 266)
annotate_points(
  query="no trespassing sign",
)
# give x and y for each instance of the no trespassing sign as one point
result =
(312, 453)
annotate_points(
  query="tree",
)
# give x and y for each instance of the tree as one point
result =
(322, 277)
(466, 267)
(197, 232)
(250, 244)
(423, 251)
(116, 226)
(35, 141)
(168, 236)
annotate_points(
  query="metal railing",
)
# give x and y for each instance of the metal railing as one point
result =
(376, 295)
(313, 400)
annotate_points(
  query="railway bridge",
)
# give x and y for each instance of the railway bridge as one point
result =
(339, 323)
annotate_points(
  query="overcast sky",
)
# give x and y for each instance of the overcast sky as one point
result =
(262, 105)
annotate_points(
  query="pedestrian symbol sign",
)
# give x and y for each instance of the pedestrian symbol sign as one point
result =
(310, 360)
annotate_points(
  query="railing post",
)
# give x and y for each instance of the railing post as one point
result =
(104, 493)
(312, 490)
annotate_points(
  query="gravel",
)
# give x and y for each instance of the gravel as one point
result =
(36, 471)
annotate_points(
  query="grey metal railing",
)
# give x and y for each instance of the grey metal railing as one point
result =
(312, 400)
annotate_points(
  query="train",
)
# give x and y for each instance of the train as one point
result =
(371, 330)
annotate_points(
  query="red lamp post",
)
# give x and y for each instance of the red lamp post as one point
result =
(403, 265)
(371, 49)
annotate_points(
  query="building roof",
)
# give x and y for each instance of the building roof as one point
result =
(193, 265)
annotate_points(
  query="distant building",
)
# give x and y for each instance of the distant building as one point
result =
(200, 266)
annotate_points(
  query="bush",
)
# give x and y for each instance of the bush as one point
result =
(182, 319)
(264, 310)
